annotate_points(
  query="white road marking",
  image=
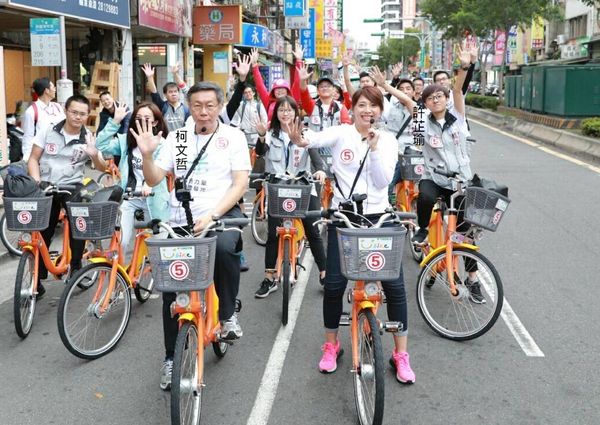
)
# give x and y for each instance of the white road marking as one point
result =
(523, 337)
(540, 147)
(268, 385)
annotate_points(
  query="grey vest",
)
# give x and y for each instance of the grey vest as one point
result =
(446, 148)
(275, 163)
(63, 162)
(319, 120)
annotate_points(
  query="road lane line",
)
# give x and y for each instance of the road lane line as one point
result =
(523, 337)
(265, 396)
(540, 147)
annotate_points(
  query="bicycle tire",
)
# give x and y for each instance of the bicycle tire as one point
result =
(285, 282)
(24, 300)
(84, 330)
(371, 370)
(186, 390)
(416, 251)
(457, 317)
(10, 239)
(145, 283)
(259, 225)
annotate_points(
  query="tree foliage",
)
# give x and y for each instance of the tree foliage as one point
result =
(394, 50)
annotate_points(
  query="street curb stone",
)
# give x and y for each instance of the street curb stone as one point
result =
(574, 143)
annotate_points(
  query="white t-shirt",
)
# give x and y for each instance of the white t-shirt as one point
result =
(48, 115)
(212, 177)
(348, 150)
(136, 162)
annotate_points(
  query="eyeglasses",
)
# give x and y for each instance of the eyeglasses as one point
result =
(286, 111)
(78, 114)
(435, 97)
(208, 107)
(325, 86)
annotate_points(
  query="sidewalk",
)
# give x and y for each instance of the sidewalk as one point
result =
(567, 140)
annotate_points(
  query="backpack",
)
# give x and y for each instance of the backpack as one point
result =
(21, 186)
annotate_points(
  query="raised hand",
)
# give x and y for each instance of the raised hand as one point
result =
(120, 112)
(294, 132)
(176, 68)
(464, 56)
(148, 70)
(377, 75)
(90, 145)
(261, 127)
(303, 72)
(147, 142)
(397, 69)
(474, 52)
(254, 56)
(243, 66)
(298, 52)
(346, 59)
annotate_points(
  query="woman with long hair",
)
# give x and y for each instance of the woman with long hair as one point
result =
(130, 166)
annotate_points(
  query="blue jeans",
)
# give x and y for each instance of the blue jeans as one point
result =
(335, 286)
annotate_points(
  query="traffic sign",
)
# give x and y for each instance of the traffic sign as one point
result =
(45, 41)
(307, 37)
(370, 21)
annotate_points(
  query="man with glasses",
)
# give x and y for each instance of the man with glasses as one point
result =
(59, 155)
(41, 113)
(418, 85)
(248, 113)
(324, 112)
(217, 181)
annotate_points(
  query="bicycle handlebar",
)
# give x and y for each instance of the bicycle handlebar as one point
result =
(219, 225)
(442, 172)
(339, 216)
(136, 194)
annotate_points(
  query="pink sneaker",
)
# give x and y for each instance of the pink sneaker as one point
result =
(328, 363)
(400, 363)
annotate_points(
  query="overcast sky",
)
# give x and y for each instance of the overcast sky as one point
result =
(354, 13)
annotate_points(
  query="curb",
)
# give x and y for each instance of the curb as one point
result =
(576, 144)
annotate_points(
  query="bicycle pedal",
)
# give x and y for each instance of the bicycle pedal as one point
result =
(300, 265)
(393, 327)
(345, 319)
(226, 341)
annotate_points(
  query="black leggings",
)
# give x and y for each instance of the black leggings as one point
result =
(335, 286)
(312, 234)
(429, 192)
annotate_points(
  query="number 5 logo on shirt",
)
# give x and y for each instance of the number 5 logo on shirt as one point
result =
(347, 155)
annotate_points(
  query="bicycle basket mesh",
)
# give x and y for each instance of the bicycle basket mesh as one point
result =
(287, 200)
(92, 221)
(371, 254)
(484, 208)
(27, 213)
(186, 264)
(412, 167)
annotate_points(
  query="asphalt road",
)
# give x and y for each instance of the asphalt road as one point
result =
(545, 251)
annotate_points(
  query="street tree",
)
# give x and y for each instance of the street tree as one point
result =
(482, 18)
(394, 50)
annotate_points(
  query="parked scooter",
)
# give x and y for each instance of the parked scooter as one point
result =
(15, 139)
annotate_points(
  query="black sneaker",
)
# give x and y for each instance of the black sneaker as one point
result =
(475, 294)
(419, 237)
(41, 291)
(266, 287)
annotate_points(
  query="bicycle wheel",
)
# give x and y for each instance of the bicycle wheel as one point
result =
(107, 180)
(145, 283)
(258, 224)
(285, 282)
(457, 317)
(10, 239)
(186, 388)
(416, 251)
(368, 379)
(24, 299)
(88, 331)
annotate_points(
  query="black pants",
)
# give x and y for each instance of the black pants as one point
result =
(77, 246)
(335, 286)
(312, 234)
(226, 278)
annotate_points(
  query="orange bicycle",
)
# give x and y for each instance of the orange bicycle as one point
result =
(459, 291)
(290, 203)
(368, 256)
(32, 215)
(407, 192)
(185, 265)
(327, 189)
(92, 321)
(111, 176)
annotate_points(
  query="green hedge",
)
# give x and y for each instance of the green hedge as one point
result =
(591, 127)
(487, 102)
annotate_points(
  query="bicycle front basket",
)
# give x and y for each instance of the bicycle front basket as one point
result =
(371, 254)
(27, 214)
(92, 221)
(288, 200)
(412, 167)
(484, 208)
(180, 265)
